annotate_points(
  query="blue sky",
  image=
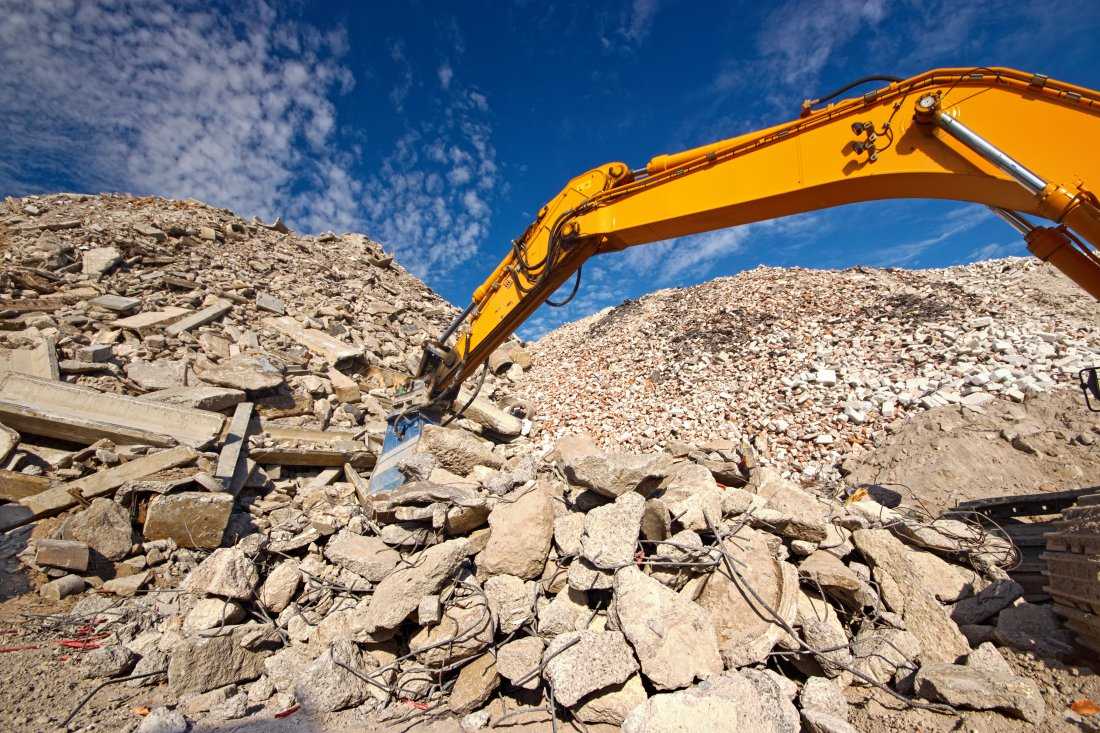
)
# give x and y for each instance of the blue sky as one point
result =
(440, 127)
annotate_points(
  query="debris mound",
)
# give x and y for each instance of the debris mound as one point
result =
(811, 365)
(192, 405)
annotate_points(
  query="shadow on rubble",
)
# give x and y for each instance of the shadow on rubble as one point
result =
(14, 577)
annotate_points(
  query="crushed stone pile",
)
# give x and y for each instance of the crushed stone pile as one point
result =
(811, 365)
(190, 407)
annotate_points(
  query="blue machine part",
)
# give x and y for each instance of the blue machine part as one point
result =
(402, 435)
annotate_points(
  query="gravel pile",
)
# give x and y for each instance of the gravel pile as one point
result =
(811, 365)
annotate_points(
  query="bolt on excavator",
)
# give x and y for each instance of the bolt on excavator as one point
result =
(1019, 143)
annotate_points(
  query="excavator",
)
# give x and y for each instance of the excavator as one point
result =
(1022, 144)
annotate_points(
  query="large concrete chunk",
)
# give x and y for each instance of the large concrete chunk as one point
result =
(741, 702)
(227, 572)
(104, 526)
(194, 519)
(521, 530)
(331, 349)
(202, 397)
(489, 416)
(583, 662)
(939, 636)
(611, 532)
(399, 594)
(325, 686)
(790, 511)
(475, 683)
(67, 412)
(206, 315)
(612, 704)
(980, 689)
(249, 373)
(584, 464)
(148, 321)
(692, 496)
(746, 631)
(59, 498)
(368, 557)
(232, 468)
(456, 450)
(673, 637)
(40, 361)
(198, 663)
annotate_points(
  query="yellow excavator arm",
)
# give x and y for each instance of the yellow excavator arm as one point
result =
(1021, 143)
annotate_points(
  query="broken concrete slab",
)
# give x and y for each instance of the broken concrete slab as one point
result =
(39, 361)
(213, 613)
(227, 572)
(746, 631)
(584, 464)
(734, 701)
(331, 349)
(192, 519)
(475, 683)
(582, 662)
(1035, 628)
(326, 686)
(692, 497)
(986, 603)
(612, 704)
(8, 440)
(67, 412)
(512, 601)
(790, 511)
(202, 663)
(15, 486)
(251, 373)
(160, 374)
(199, 318)
(467, 627)
(214, 399)
(980, 689)
(344, 387)
(232, 469)
(400, 592)
(673, 637)
(280, 586)
(149, 321)
(611, 532)
(939, 637)
(491, 417)
(368, 557)
(99, 260)
(457, 450)
(59, 498)
(104, 526)
(518, 661)
(116, 303)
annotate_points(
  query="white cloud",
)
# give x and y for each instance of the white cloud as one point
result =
(952, 224)
(446, 73)
(995, 250)
(141, 95)
(800, 36)
(639, 20)
(236, 109)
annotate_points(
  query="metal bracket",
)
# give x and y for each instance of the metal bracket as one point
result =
(1090, 385)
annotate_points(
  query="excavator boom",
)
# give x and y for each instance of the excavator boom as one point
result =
(1020, 143)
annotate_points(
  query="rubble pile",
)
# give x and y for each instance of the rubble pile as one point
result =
(191, 406)
(811, 365)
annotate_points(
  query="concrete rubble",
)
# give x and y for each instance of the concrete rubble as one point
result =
(227, 543)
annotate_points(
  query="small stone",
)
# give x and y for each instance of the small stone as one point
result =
(212, 613)
(163, 720)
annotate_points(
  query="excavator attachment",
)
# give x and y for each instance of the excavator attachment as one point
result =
(412, 409)
(402, 434)
(1090, 385)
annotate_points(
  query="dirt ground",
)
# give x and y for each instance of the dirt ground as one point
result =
(953, 454)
